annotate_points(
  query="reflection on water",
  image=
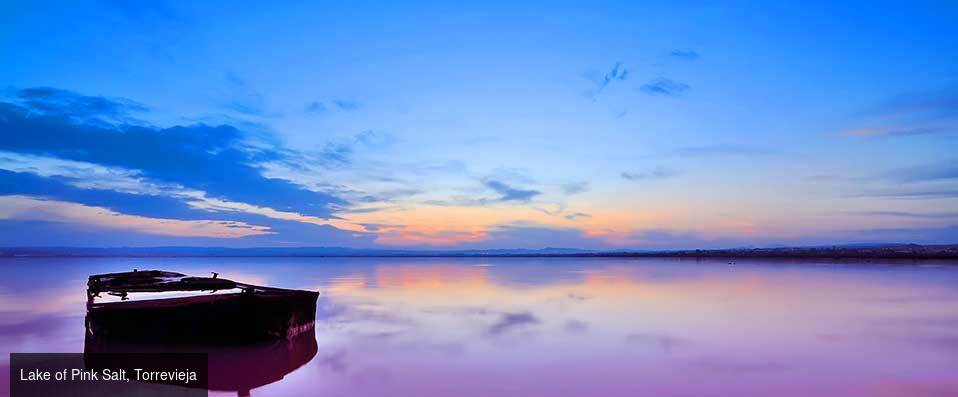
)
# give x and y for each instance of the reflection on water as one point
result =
(555, 327)
(236, 368)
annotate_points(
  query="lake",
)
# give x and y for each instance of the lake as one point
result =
(562, 326)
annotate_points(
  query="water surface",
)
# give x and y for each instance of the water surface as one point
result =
(563, 327)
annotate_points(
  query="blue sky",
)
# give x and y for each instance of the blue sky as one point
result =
(490, 125)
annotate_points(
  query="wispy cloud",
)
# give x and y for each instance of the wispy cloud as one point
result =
(576, 326)
(689, 55)
(575, 188)
(726, 150)
(346, 104)
(219, 160)
(736, 367)
(521, 234)
(388, 196)
(601, 81)
(652, 174)
(909, 194)
(919, 235)
(836, 178)
(338, 154)
(904, 214)
(319, 107)
(919, 113)
(554, 209)
(29, 208)
(245, 100)
(510, 321)
(664, 342)
(872, 132)
(315, 107)
(374, 139)
(928, 172)
(664, 86)
(251, 106)
(79, 108)
(928, 105)
(510, 193)
(577, 215)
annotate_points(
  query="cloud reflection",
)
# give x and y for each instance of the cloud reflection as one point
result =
(510, 321)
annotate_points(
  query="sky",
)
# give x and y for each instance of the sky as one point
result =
(440, 125)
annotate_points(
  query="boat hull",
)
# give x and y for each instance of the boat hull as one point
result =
(221, 318)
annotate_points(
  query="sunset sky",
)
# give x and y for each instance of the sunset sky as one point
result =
(494, 125)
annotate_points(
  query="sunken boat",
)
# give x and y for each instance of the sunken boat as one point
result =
(168, 307)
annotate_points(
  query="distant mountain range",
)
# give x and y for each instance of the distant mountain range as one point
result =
(890, 250)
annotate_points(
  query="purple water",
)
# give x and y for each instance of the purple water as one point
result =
(564, 327)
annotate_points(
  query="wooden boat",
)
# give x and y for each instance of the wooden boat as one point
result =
(213, 309)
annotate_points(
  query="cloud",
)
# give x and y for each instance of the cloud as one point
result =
(889, 132)
(909, 194)
(618, 73)
(408, 236)
(81, 174)
(903, 214)
(928, 105)
(387, 196)
(78, 108)
(510, 321)
(575, 188)
(662, 341)
(29, 208)
(653, 174)
(185, 173)
(346, 104)
(576, 326)
(689, 55)
(220, 160)
(319, 107)
(920, 235)
(726, 150)
(837, 178)
(252, 106)
(123, 194)
(551, 209)
(919, 113)
(315, 108)
(336, 153)
(675, 239)
(243, 99)
(340, 153)
(577, 215)
(234, 79)
(145, 200)
(535, 236)
(732, 366)
(373, 139)
(664, 86)
(510, 193)
(927, 172)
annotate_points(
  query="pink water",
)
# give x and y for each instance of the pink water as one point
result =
(566, 327)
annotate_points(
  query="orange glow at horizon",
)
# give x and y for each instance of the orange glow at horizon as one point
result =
(435, 225)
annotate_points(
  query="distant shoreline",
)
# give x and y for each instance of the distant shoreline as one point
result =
(879, 251)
